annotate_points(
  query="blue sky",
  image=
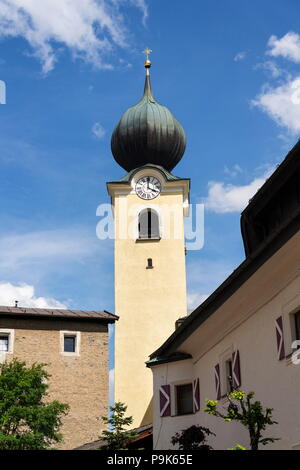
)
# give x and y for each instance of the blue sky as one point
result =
(229, 71)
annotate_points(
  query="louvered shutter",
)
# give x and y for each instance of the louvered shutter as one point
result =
(218, 381)
(236, 370)
(280, 339)
(165, 400)
(196, 395)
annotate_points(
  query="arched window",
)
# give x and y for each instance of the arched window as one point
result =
(148, 224)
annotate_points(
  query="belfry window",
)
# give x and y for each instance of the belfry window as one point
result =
(148, 225)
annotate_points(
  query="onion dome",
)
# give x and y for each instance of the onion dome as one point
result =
(148, 133)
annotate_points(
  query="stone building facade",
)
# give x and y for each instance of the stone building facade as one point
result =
(74, 345)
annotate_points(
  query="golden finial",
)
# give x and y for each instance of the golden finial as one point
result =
(147, 51)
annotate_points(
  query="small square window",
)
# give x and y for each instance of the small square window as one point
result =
(70, 344)
(4, 343)
(184, 399)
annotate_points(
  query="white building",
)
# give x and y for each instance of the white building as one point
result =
(247, 325)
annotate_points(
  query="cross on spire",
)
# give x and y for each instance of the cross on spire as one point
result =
(147, 51)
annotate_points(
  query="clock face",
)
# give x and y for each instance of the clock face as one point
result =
(148, 187)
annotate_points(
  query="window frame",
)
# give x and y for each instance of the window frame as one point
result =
(224, 358)
(176, 388)
(10, 334)
(4, 337)
(146, 212)
(73, 334)
(288, 312)
(296, 326)
(228, 369)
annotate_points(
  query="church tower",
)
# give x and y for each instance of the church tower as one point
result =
(149, 205)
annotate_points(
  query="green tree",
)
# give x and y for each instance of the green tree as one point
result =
(192, 438)
(26, 421)
(249, 413)
(118, 438)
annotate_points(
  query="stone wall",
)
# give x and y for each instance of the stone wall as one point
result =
(79, 380)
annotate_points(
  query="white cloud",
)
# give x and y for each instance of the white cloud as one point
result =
(25, 294)
(282, 104)
(224, 198)
(98, 130)
(272, 68)
(239, 56)
(288, 46)
(195, 299)
(89, 29)
(142, 5)
(234, 171)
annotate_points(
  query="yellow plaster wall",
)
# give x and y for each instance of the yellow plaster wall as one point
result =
(148, 302)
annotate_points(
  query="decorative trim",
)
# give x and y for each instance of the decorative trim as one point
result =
(217, 380)
(280, 338)
(196, 395)
(165, 400)
(236, 370)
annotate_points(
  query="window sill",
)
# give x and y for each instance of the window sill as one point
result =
(139, 240)
(183, 414)
(70, 354)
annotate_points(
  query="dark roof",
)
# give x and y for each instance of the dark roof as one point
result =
(88, 315)
(176, 356)
(273, 204)
(142, 432)
(289, 225)
(148, 133)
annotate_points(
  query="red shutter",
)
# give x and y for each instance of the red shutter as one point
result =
(218, 381)
(165, 400)
(236, 370)
(280, 339)
(196, 395)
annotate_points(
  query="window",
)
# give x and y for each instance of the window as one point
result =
(149, 263)
(148, 225)
(297, 325)
(70, 344)
(229, 380)
(184, 399)
(4, 343)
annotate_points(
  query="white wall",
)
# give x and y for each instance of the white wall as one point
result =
(245, 322)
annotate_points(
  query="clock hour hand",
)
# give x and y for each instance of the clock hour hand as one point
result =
(153, 188)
